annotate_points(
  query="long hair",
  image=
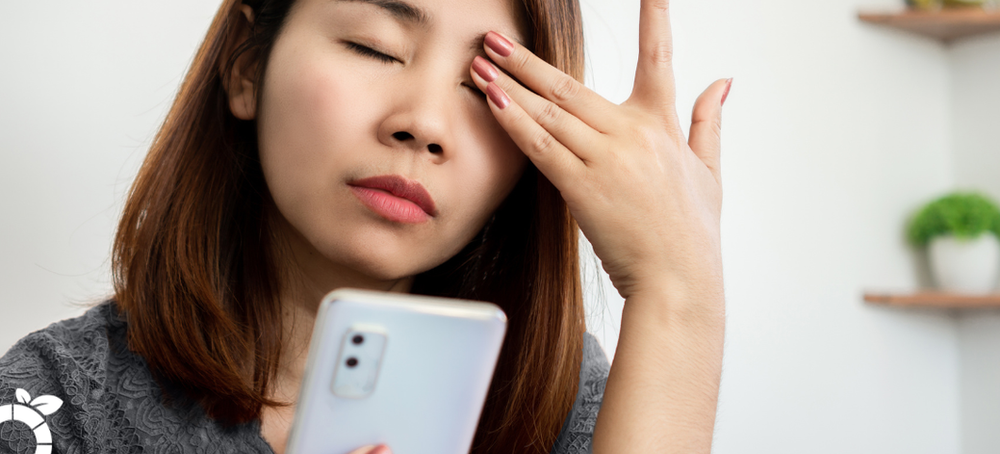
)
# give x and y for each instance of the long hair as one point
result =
(194, 254)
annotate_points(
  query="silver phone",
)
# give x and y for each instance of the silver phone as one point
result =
(408, 371)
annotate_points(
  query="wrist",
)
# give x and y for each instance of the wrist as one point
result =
(700, 280)
(670, 299)
(693, 271)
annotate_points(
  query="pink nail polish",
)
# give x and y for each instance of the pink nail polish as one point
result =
(499, 44)
(729, 84)
(484, 69)
(497, 95)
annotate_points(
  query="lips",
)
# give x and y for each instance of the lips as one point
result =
(395, 198)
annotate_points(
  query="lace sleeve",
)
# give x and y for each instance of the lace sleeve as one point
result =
(50, 382)
(578, 430)
(74, 387)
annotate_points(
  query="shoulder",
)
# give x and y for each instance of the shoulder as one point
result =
(48, 375)
(578, 429)
(76, 387)
(63, 353)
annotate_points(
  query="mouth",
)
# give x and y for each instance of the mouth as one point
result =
(395, 198)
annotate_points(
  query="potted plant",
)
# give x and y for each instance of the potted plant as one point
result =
(962, 234)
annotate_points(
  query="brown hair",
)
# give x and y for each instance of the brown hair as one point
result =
(193, 258)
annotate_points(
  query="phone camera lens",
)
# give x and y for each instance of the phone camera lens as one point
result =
(351, 362)
(358, 339)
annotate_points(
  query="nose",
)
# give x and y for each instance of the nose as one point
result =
(408, 139)
(421, 116)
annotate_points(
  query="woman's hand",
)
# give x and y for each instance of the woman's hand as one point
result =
(647, 199)
(650, 202)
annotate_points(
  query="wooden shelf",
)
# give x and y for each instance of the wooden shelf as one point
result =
(947, 25)
(934, 299)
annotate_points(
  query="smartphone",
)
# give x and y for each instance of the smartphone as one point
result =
(408, 371)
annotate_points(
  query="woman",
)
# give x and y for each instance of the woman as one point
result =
(442, 147)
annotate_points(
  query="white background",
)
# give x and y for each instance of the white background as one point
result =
(835, 132)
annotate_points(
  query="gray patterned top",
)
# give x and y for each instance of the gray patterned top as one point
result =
(74, 387)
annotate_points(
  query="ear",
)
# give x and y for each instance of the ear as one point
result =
(240, 83)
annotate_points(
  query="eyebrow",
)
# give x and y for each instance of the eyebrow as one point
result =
(408, 13)
(399, 9)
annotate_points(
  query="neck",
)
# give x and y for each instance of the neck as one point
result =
(306, 278)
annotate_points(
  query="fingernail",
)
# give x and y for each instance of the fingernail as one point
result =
(497, 95)
(499, 44)
(380, 449)
(484, 69)
(729, 84)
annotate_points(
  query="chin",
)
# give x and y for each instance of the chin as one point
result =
(390, 259)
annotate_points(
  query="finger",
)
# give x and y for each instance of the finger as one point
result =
(706, 125)
(549, 82)
(654, 74)
(551, 158)
(578, 137)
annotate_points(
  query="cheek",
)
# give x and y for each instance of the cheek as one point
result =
(308, 113)
(503, 161)
(489, 174)
(504, 168)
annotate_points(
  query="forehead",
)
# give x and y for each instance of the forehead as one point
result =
(505, 16)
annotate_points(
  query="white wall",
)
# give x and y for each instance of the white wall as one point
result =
(83, 87)
(834, 132)
(976, 114)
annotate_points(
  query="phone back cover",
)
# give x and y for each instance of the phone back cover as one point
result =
(436, 368)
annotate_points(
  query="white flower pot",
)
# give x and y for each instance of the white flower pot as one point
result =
(965, 265)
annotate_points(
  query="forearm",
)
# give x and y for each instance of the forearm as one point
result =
(663, 388)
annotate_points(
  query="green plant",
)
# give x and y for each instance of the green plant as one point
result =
(963, 214)
(924, 4)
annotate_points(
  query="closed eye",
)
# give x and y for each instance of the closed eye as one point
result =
(372, 53)
(475, 90)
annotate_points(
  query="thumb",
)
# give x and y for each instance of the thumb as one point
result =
(705, 138)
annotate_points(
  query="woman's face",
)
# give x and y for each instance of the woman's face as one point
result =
(365, 100)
